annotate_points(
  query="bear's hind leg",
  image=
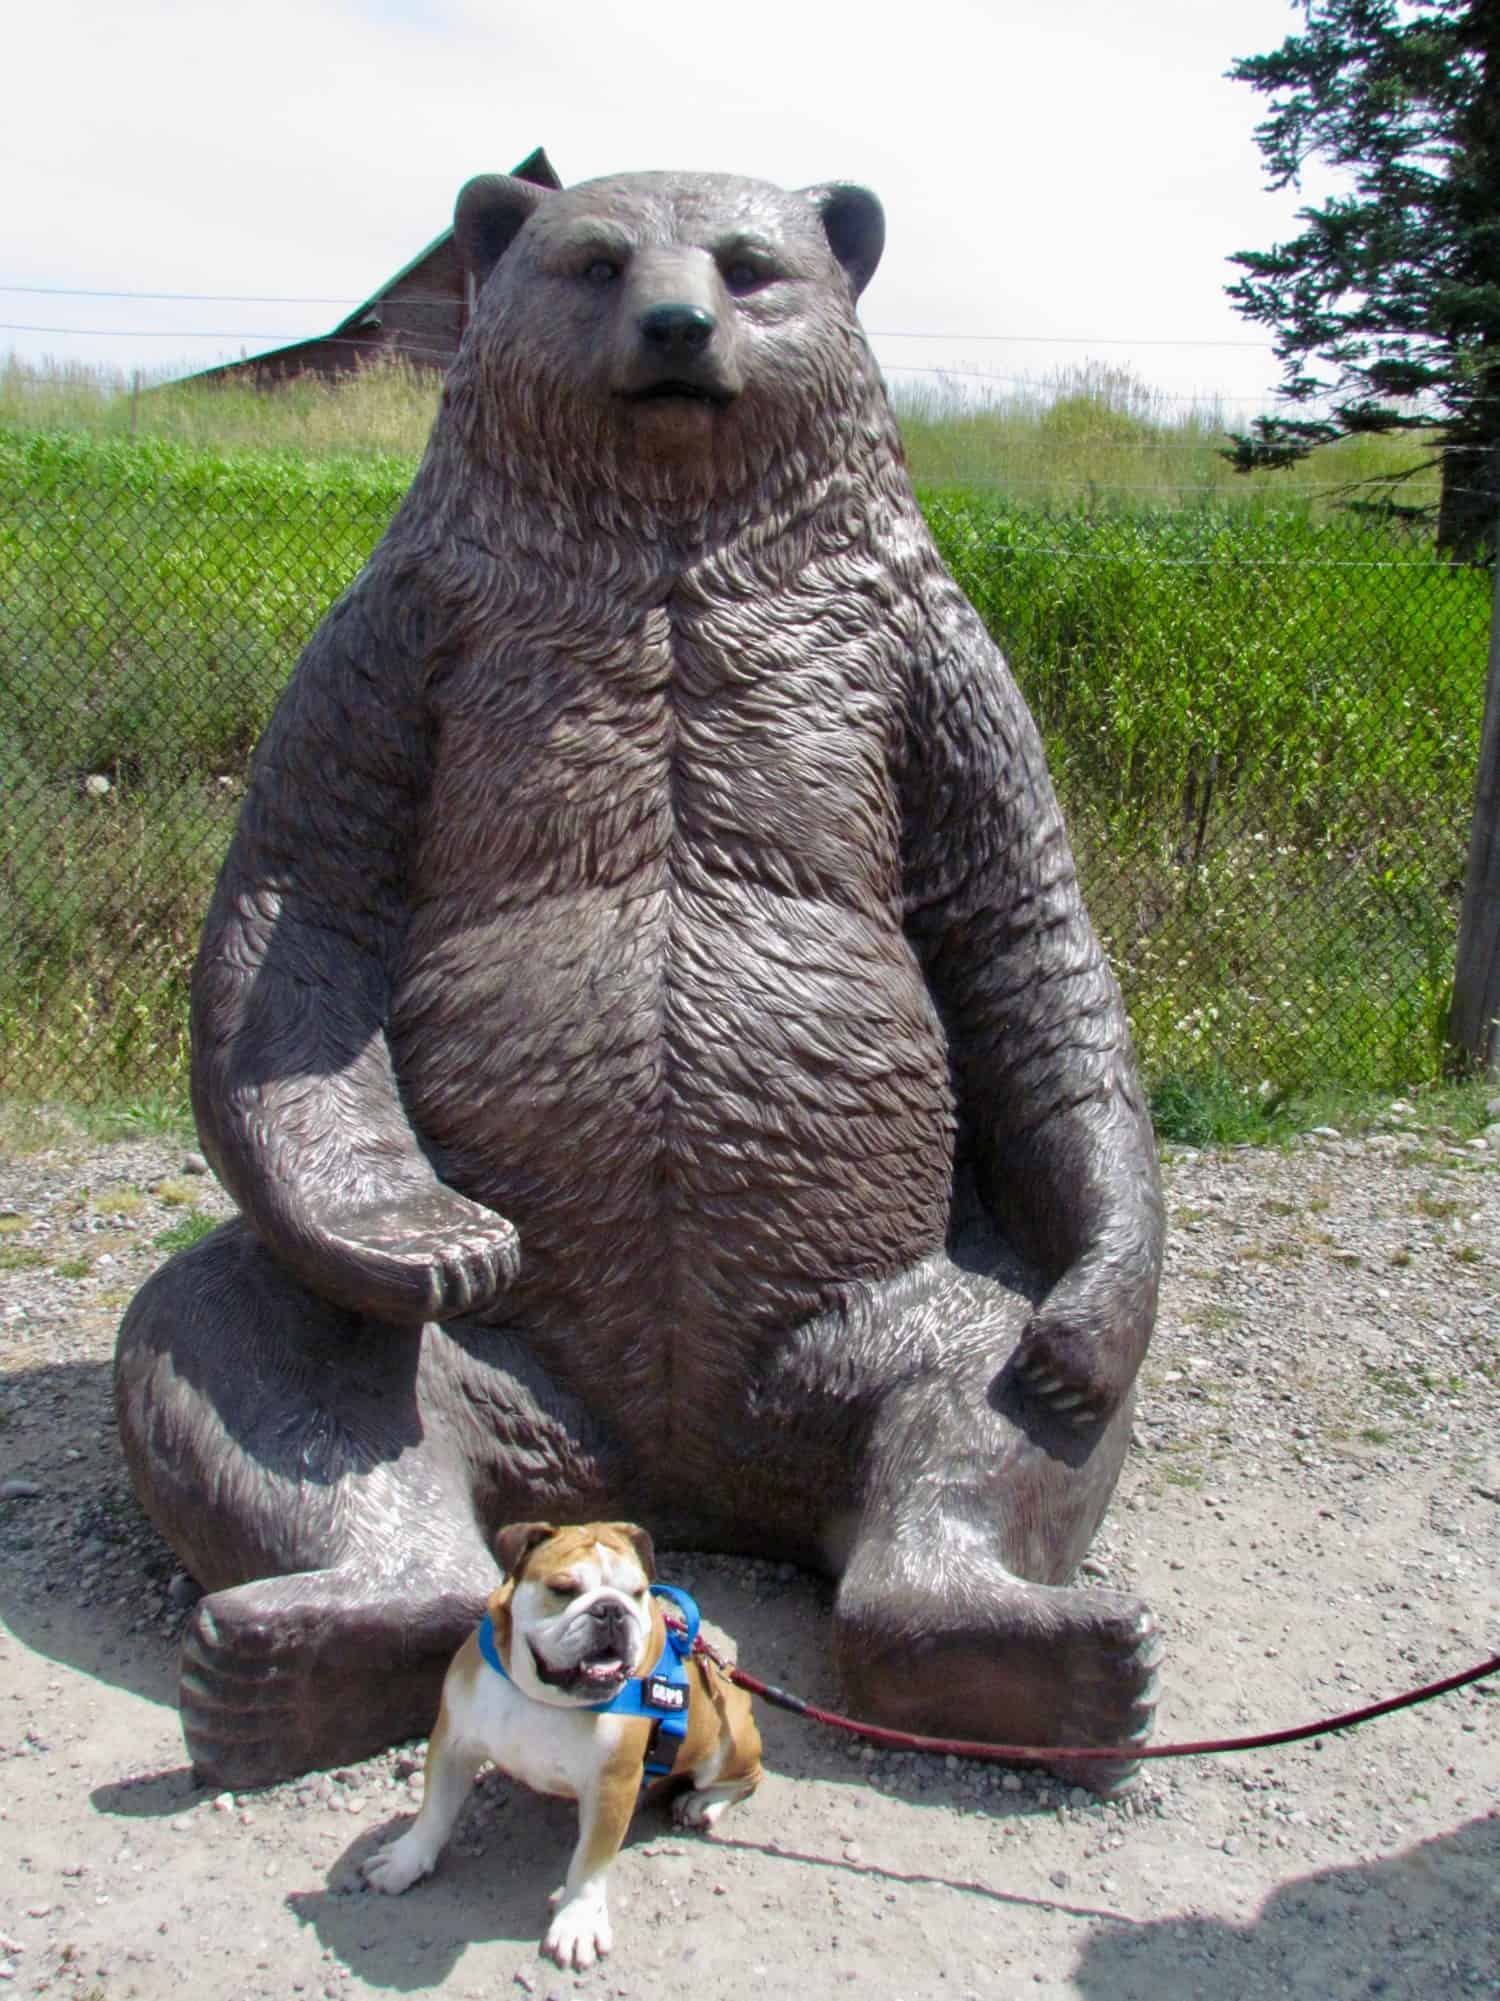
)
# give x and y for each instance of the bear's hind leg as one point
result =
(1000, 1661)
(955, 1513)
(315, 1669)
(955, 1616)
(331, 1483)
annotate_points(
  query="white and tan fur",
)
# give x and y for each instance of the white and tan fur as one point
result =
(562, 1588)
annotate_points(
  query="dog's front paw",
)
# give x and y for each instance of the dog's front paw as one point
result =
(396, 1868)
(700, 1809)
(579, 1932)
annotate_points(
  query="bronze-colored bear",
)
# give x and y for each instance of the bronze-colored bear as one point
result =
(648, 1021)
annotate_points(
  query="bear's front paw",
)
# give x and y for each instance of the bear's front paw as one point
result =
(1079, 1352)
(1071, 1368)
(432, 1256)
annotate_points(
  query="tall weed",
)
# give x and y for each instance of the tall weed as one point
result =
(1262, 723)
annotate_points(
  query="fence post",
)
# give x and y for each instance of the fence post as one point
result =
(1474, 1023)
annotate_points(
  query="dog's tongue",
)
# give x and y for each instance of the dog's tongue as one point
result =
(602, 1671)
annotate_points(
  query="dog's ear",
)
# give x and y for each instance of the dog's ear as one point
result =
(498, 1607)
(514, 1544)
(642, 1544)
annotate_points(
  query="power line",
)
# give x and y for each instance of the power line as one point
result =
(159, 333)
(449, 299)
(204, 298)
(1074, 340)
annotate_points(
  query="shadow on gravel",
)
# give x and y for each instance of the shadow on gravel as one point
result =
(150, 1796)
(498, 1891)
(80, 1565)
(1423, 1924)
(415, 1940)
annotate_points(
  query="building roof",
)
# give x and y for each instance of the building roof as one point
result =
(536, 167)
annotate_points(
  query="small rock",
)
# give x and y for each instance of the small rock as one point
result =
(1011, 1783)
(96, 785)
(193, 1163)
(1080, 1796)
(853, 1852)
(224, 1803)
(182, 1824)
(1325, 1132)
(183, 1591)
(1059, 1879)
(19, 1490)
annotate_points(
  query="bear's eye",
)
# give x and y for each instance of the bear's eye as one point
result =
(601, 272)
(743, 276)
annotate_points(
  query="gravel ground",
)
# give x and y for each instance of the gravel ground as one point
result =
(1313, 1507)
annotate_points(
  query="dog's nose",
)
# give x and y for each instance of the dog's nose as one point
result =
(608, 1612)
(673, 331)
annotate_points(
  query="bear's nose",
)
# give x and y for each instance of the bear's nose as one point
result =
(677, 330)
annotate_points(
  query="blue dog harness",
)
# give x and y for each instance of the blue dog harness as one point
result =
(660, 1694)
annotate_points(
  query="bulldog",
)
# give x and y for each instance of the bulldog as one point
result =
(575, 1685)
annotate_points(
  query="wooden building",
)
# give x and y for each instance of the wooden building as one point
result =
(419, 315)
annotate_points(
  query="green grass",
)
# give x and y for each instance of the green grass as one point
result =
(1262, 720)
(155, 600)
(1263, 728)
(182, 1235)
(1211, 1107)
(382, 412)
(1093, 433)
(1098, 434)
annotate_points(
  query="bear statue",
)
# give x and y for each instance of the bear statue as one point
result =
(649, 1024)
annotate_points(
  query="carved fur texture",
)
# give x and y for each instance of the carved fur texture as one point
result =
(650, 963)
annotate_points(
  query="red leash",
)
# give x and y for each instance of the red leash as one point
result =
(1034, 1754)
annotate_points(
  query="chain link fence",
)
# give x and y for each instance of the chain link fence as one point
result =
(1263, 727)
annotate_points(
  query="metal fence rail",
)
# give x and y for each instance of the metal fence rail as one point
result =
(1264, 732)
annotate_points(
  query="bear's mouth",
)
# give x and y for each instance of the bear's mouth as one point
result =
(675, 389)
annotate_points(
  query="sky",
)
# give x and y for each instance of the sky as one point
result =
(1063, 180)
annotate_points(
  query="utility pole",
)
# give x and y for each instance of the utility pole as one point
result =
(1474, 1023)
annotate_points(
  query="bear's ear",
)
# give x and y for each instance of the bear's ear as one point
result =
(490, 212)
(854, 223)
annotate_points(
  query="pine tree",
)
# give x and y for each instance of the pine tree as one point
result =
(1386, 309)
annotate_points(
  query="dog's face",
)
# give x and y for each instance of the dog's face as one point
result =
(574, 1619)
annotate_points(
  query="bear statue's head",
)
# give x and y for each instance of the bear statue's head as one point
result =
(667, 333)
